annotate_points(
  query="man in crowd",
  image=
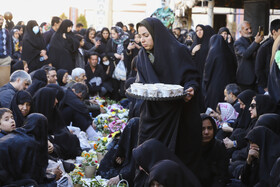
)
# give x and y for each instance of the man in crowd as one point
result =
(245, 50)
(231, 92)
(264, 56)
(51, 75)
(177, 33)
(5, 44)
(55, 23)
(19, 80)
(131, 31)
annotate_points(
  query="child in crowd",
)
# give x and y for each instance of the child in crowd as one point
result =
(7, 122)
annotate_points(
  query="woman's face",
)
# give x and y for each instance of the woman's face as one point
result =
(21, 31)
(65, 78)
(16, 34)
(199, 32)
(253, 109)
(82, 42)
(124, 28)
(25, 68)
(155, 184)
(207, 131)
(7, 122)
(114, 34)
(24, 108)
(91, 34)
(69, 29)
(146, 38)
(105, 34)
(224, 35)
(242, 105)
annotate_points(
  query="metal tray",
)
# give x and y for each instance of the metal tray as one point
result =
(129, 93)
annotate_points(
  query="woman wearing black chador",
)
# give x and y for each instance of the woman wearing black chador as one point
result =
(176, 124)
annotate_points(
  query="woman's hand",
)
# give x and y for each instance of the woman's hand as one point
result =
(228, 143)
(113, 181)
(190, 94)
(64, 35)
(118, 56)
(119, 160)
(253, 153)
(58, 173)
(196, 48)
(43, 52)
(131, 46)
(50, 147)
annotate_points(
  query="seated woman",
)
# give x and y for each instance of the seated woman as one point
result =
(156, 151)
(118, 162)
(7, 122)
(214, 160)
(225, 117)
(168, 173)
(62, 77)
(66, 144)
(39, 80)
(21, 106)
(23, 153)
(263, 152)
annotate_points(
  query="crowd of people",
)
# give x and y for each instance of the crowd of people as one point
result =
(224, 131)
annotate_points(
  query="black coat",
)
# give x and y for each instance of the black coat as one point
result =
(220, 70)
(245, 52)
(263, 62)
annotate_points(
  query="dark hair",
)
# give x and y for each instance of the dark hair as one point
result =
(79, 25)
(80, 88)
(93, 53)
(131, 24)
(233, 88)
(178, 28)
(55, 19)
(4, 110)
(79, 37)
(43, 24)
(275, 25)
(120, 24)
(48, 68)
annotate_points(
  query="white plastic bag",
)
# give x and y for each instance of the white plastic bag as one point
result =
(120, 71)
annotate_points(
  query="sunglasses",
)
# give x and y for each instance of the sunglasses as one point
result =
(253, 105)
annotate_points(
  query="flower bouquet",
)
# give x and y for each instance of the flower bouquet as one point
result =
(76, 176)
(89, 163)
(117, 125)
(101, 148)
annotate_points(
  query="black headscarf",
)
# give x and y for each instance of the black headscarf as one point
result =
(200, 56)
(17, 66)
(44, 104)
(271, 121)
(24, 152)
(244, 117)
(32, 46)
(155, 151)
(171, 122)
(20, 98)
(60, 74)
(224, 29)
(169, 174)
(264, 104)
(39, 80)
(64, 25)
(59, 92)
(219, 70)
(269, 150)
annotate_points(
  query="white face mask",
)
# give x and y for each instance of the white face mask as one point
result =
(36, 29)
(106, 63)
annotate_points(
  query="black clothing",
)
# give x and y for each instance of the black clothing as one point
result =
(224, 29)
(176, 124)
(62, 51)
(269, 151)
(99, 72)
(262, 66)
(17, 66)
(2, 133)
(270, 121)
(48, 35)
(20, 98)
(274, 84)
(220, 70)
(128, 141)
(169, 174)
(24, 152)
(200, 55)
(155, 151)
(60, 74)
(39, 80)
(31, 47)
(245, 52)
(75, 111)
(88, 43)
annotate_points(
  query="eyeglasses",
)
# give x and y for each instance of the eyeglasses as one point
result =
(253, 105)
